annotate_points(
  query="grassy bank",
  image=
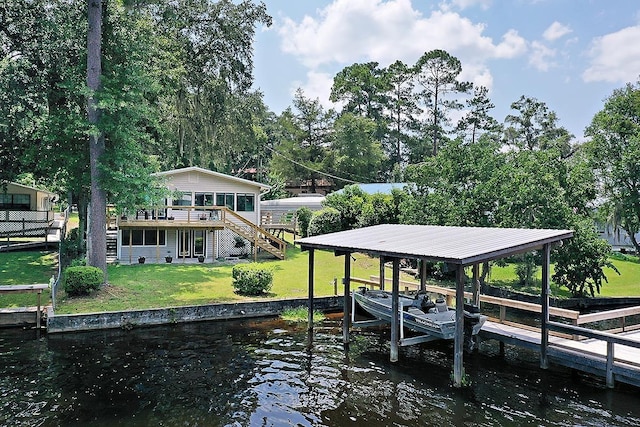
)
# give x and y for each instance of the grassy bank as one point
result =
(160, 285)
(141, 286)
(25, 268)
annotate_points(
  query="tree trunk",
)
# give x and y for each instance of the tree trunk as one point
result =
(96, 236)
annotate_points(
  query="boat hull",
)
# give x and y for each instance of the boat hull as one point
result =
(439, 324)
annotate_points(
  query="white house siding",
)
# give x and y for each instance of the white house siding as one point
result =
(198, 182)
(192, 181)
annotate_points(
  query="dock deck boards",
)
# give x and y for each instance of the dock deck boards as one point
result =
(568, 352)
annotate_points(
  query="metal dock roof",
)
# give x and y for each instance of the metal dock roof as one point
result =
(457, 245)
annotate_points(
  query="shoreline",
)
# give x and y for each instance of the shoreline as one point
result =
(61, 323)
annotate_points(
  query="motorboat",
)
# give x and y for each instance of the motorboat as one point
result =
(420, 313)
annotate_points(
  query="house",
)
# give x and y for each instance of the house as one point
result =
(210, 216)
(25, 211)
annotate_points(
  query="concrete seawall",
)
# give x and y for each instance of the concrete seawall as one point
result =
(57, 323)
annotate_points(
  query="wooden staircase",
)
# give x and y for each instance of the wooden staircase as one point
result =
(259, 237)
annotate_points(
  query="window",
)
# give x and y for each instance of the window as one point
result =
(185, 200)
(225, 199)
(246, 202)
(204, 199)
(144, 237)
(20, 202)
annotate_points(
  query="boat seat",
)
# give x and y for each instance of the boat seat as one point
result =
(441, 306)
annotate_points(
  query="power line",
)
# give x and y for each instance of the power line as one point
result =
(312, 170)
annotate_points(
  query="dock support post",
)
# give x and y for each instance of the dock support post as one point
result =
(544, 339)
(346, 320)
(394, 310)
(609, 378)
(423, 274)
(458, 341)
(476, 285)
(310, 301)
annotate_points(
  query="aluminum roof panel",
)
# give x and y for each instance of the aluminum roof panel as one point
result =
(459, 245)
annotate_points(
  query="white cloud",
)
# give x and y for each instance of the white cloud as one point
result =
(317, 86)
(556, 31)
(352, 31)
(465, 4)
(615, 57)
(540, 56)
(349, 31)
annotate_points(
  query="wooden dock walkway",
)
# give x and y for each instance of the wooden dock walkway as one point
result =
(613, 354)
(589, 355)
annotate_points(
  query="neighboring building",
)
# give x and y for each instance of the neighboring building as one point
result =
(275, 210)
(215, 216)
(616, 237)
(320, 186)
(280, 214)
(25, 211)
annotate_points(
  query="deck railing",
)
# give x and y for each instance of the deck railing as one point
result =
(25, 223)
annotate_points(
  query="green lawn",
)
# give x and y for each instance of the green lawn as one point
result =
(26, 268)
(160, 285)
(627, 283)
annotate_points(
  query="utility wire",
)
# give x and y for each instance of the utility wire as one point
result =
(312, 170)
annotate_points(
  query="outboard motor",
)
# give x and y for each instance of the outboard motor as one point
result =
(426, 304)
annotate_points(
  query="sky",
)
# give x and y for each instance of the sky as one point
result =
(569, 54)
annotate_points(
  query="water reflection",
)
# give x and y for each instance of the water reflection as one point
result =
(265, 373)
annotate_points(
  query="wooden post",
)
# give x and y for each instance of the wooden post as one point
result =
(476, 285)
(38, 312)
(346, 320)
(381, 272)
(310, 300)
(544, 339)
(423, 274)
(458, 341)
(394, 310)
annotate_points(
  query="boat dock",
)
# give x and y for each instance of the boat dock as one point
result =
(612, 354)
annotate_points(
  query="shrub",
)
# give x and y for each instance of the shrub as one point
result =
(72, 246)
(251, 279)
(78, 262)
(303, 216)
(324, 221)
(82, 280)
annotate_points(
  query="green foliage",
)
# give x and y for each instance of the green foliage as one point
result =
(614, 153)
(303, 217)
(252, 279)
(356, 153)
(278, 184)
(459, 186)
(324, 221)
(580, 262)
(348, 203)
(301, 314)
(526, 270)
(71, 247)
(82, 280)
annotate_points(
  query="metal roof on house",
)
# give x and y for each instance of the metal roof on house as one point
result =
(457, 245)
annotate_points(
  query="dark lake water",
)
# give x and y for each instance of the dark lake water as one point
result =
(263, 373)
